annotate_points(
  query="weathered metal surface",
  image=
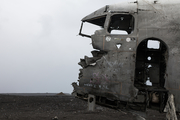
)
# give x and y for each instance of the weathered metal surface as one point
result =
(125, 67)
(91, 102)
(130, 7)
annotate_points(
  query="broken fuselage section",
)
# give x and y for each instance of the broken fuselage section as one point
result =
(136, 57)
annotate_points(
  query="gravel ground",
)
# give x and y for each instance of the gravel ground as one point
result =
(60, 107)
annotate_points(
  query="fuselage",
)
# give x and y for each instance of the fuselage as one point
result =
(137, 54)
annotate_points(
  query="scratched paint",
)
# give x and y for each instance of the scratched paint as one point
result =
(124, 70)
(98, 78)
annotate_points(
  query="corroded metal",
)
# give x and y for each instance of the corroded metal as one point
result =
(138, 65)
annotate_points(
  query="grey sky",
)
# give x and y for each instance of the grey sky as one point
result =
(39, 46)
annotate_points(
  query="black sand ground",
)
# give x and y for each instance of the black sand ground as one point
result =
(64, 107)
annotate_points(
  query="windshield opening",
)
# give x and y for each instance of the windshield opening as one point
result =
(90, 26)
(121, 24)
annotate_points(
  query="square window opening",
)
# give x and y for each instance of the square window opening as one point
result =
(121, 24)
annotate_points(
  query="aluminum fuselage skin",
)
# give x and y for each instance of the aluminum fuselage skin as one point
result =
(113, 75)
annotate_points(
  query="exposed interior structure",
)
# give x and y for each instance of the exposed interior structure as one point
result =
(150, 72)
(151, 63)
(121, 22)
(136, 55)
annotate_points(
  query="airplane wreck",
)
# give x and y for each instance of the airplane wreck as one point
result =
(136, 61)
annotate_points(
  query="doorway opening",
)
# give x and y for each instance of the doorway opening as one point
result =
(150, 72)
(151, 59)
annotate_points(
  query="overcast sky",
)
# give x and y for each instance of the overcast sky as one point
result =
(39, 46)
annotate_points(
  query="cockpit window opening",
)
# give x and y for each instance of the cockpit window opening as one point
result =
(88, 27)
(121, 24)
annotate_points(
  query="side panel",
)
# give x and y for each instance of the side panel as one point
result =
(111, 77)
(161, 20)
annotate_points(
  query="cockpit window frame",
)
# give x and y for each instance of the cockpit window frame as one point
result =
(91, 22)
(109, 21)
